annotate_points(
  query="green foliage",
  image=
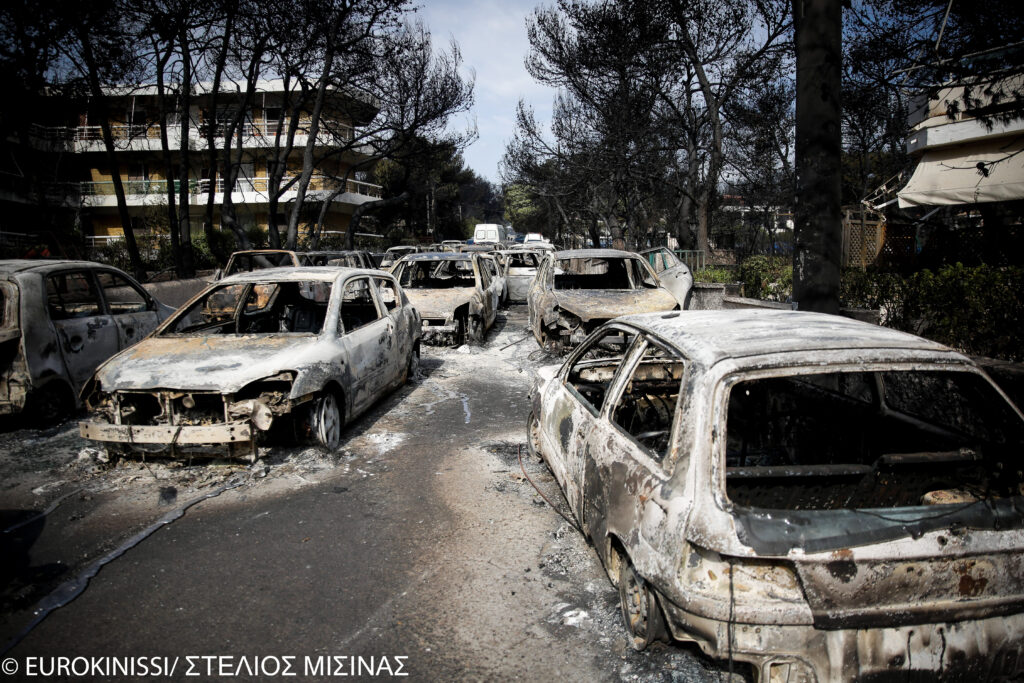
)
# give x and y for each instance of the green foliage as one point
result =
(767, 277)
(975, 309)
(714, 274)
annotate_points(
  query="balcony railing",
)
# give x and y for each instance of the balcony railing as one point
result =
(260, 185)
(251, 130)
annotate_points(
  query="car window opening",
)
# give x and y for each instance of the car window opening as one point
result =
(262, 308)
(601, 273)
(868, 440)
(647, 406)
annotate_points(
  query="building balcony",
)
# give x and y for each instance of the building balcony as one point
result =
(146, 137)
(245, 191)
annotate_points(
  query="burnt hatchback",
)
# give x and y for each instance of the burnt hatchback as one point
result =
(316, 344)
(816, 498)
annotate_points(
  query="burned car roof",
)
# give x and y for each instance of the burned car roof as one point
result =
(316, 273)
(437, 256)
(713, 336)
(24, 265)
(594, 253)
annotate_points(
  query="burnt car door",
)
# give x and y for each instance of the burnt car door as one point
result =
(488, 288)
(673, 274)
(133, 311)
(626, 452)
(400, 333)
(365, 336)
(87, 333)
(577, 402)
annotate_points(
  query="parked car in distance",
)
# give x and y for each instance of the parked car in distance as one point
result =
(816, 498)
(394, 253)
(455, 295)
(575, 291)
(248, 260)
(520, 267)
(61, 319)
(346, 258)
(316, 344)
(674, 275)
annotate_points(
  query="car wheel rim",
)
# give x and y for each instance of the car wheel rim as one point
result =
(329, 422)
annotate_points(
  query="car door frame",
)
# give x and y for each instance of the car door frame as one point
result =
(74, 335)
(127, 336)
(365, 348)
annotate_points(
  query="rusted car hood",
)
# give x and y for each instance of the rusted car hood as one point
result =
(611, 303)
(216, 363)
(439, 303)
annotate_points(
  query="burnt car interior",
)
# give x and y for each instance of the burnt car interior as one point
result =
(260, 308)
(646, 408)
(601, 273)
(861, 440)
(438, 274)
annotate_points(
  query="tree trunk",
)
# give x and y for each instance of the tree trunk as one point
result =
(188, 267)
(168, 159)
(357, 215)
(818, 232)
(108, 143)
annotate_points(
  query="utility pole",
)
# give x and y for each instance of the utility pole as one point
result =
(817, 211)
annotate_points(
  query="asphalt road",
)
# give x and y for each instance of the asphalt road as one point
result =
(419, 548)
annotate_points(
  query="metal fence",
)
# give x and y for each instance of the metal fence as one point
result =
(695, 259)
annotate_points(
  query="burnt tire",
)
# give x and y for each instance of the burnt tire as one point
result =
(640, 609)
(322, 421)
(48, 405)
(475, 329)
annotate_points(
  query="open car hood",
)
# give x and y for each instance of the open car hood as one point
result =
(223, 364)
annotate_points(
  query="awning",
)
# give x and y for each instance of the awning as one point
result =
(989, 171)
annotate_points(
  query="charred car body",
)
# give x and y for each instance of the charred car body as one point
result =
(576, 291)
(821, 499)
(455, 295)
(520, 267)
(317, 344)
(61, 319)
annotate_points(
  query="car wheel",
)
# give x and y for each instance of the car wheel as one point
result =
(476, 328)
(324, 421)
(640, 608)
(533, 435)
(47, 405)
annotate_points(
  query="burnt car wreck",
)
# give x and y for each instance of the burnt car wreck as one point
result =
(816, 498)
(576, 291)
(316, 345)
(455, 294)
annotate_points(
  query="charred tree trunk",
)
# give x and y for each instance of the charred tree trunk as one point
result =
(188, 267)
(818, 233)
(168, 159)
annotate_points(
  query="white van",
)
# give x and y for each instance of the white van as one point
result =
(490, 232)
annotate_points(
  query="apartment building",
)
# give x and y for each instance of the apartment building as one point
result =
(84, 184)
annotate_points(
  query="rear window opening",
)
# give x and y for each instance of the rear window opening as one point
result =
(868, 440)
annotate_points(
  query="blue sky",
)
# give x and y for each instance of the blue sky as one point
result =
(492, 37)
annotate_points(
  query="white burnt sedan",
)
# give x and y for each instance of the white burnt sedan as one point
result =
(319, 345)
(810, 497)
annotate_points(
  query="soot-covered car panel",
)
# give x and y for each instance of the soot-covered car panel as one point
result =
(319, 345)
(576, 291)
(816, 498)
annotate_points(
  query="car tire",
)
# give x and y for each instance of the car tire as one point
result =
(48, 405)
(323, 421)
(640, 609)
(533, 436)
(475, 330)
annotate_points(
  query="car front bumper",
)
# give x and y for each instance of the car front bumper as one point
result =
(227, 433)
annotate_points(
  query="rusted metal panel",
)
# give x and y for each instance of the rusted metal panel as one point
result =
(231, 432)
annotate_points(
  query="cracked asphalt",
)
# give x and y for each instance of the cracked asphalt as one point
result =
(418, 539)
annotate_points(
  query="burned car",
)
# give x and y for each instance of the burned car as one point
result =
(61, 319)
(520, 266)
(454, 293)
(347, 258)
(815, 498)
(576, 291)
(674, 275)
(316, 344)
(248, 260)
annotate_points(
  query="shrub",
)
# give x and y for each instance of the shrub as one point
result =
(714, 274)
(767, 277)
